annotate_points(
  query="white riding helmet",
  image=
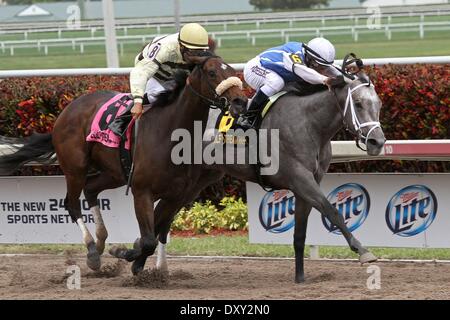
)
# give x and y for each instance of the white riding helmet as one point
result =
(323, 52)
(193, 36)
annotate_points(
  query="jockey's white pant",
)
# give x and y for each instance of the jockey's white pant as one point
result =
(261, 78)
(152, 88)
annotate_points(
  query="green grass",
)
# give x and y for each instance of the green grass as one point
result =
(220, 27)
(370, 45)
(239, 246)
(234, 52)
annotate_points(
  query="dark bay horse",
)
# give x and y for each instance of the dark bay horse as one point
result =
(211, 82)
(306, 125)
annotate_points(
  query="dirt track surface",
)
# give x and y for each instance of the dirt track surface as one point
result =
(44, 277)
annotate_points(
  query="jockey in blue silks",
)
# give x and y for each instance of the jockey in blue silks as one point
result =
(268, 72)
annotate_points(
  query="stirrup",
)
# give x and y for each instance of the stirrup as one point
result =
(245, 122)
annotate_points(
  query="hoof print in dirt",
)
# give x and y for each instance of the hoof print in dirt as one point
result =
(109, 270)
(151, 278)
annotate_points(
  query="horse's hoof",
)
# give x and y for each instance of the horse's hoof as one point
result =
(367, 257)
(137, 244)
(162, 267)
(300, 279)
(137, 267)
(118, 252)
(93, 261)
(100, 247)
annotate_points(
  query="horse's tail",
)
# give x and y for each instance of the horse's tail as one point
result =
(16, 152)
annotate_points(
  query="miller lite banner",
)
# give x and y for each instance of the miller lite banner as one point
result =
(388, 210)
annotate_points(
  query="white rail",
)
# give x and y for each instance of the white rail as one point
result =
(344, 151)
(285, 34)
(320, 15)
(237, 66)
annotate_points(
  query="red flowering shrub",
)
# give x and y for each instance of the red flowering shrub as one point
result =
(416, 105)
(33, 104)
(416, 100)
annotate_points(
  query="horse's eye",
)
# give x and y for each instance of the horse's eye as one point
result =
(358, 105)
(212, 74)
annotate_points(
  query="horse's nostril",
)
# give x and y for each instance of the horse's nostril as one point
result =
(376, 142)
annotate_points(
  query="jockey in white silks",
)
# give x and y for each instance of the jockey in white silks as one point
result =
(268, 72)
(156, 63)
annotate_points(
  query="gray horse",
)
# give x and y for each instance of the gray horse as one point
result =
(306, 126)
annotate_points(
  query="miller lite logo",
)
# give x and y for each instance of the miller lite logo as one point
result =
(411, 210)
(352, 202)
(276, 211)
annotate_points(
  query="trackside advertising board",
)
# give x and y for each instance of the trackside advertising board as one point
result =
(32, 211)
(388, 210)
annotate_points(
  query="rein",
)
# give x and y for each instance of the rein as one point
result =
(219, 101)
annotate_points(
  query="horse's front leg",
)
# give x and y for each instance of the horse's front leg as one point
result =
(302, 210)
(144, 246)
(165, 211)
(305, 187)
(143, 205)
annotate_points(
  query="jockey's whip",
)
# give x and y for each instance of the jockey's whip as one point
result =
(134, 149)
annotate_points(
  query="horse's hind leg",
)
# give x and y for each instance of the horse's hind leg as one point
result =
(75, 184)
(94, 185)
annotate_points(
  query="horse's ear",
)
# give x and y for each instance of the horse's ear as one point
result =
(363, 77)
(338, 82)
(212, 45)
(196, 59)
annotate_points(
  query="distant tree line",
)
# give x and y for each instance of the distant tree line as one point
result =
(286, 4)
(29, 1)
(12, 2)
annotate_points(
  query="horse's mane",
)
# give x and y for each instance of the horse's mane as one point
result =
(173, 87)
(298, 89)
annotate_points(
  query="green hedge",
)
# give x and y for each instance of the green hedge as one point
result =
(204, 217)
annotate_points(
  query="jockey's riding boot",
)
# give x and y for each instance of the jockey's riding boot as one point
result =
(120, 123)
(247, 120)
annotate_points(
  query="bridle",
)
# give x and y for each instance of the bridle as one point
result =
(357, 125)
(219, 101)
(349, 104)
